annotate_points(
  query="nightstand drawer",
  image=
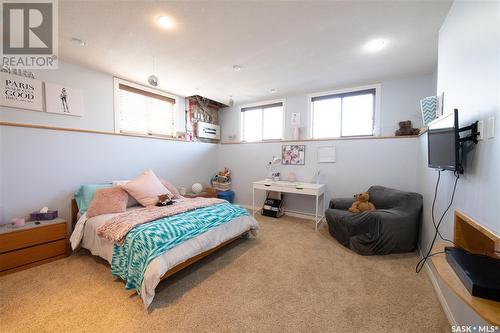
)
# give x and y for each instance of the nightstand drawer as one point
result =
(31, 254)
(24, 238)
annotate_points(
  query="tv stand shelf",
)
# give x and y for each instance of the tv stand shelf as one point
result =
(474, 238)
(487, 309)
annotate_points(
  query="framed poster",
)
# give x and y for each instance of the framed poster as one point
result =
(21, 92)
(63, 100)
(293, 154)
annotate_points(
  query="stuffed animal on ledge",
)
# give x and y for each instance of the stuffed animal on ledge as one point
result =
(362, 203)
(405, 128)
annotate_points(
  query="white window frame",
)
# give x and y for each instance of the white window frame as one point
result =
(263, 103)
(376, 121)
(116, 89)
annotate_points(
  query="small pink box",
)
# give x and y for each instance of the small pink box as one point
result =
(18, 222)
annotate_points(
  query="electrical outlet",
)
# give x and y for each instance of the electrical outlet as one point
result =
(480, 129)
(491, 128)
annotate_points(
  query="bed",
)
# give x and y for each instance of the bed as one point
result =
(86, 234)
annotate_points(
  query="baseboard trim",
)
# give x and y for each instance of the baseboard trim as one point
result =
(439, 293)
(292, 213)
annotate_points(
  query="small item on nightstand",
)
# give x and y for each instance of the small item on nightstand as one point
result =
(197, 188)
(18, 222)
(41, 216)
(212, 191)
(182, 190)
(44, 214)
(292, 177)
(222, 180)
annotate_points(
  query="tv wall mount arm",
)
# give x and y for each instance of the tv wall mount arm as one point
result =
(473, 134)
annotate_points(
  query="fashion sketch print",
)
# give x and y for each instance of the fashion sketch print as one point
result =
(63, 100)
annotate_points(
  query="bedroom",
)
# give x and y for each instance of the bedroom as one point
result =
(259, 88)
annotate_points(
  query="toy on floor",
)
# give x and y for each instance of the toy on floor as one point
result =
(362, 203)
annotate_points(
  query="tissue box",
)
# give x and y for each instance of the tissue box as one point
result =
(50, 215)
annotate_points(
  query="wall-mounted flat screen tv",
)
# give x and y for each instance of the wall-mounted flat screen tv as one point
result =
(444, 143)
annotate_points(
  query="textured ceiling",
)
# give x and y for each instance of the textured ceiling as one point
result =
(294, 47)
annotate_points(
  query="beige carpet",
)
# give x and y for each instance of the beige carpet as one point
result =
(289, 279)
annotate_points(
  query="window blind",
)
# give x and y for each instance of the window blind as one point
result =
(347, 94)
(265, 106)
(143, 112)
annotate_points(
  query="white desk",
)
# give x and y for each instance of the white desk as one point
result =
(317, 190)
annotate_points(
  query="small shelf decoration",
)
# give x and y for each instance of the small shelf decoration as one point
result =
(293, 154)
(431, 107)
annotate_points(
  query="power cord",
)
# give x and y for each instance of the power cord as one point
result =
(434, 204)
(422, 261)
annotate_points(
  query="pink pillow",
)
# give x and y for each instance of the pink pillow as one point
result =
(146, 188)
(131, 201)
(108, 200)
(171, 188)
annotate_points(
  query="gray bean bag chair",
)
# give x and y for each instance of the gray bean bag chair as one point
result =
(392, 228)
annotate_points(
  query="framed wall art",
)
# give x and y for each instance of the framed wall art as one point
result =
(21, 92)
(63, 100)
(293, 154)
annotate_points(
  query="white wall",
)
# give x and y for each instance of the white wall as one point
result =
(44, 167)
(400, 100)
(360, 164)
(41, 167)
(97, 90)
(469, 75)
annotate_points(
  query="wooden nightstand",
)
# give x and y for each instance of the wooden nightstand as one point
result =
(32, 245)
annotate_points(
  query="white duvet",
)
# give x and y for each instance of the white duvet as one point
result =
(85, 234)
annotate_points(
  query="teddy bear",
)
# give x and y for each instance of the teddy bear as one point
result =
(406, 129)
(362, 203)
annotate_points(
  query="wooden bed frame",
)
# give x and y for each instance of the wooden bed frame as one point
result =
(182, 265)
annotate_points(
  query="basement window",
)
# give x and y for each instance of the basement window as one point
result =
(144, 111)
(262, 121)
(343, 114)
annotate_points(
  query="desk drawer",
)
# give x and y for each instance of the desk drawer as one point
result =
(29, 237)
(287, 189)
(31, 254)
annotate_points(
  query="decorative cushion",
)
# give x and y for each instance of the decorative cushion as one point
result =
(131, 201)
(108, 200)
(171, 188)
(85, 194)
(146, 188)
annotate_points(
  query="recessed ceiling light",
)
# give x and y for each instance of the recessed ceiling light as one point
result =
(375, 45)
(166, 22)
(237, 68)
(79, 41)
(273, 91)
